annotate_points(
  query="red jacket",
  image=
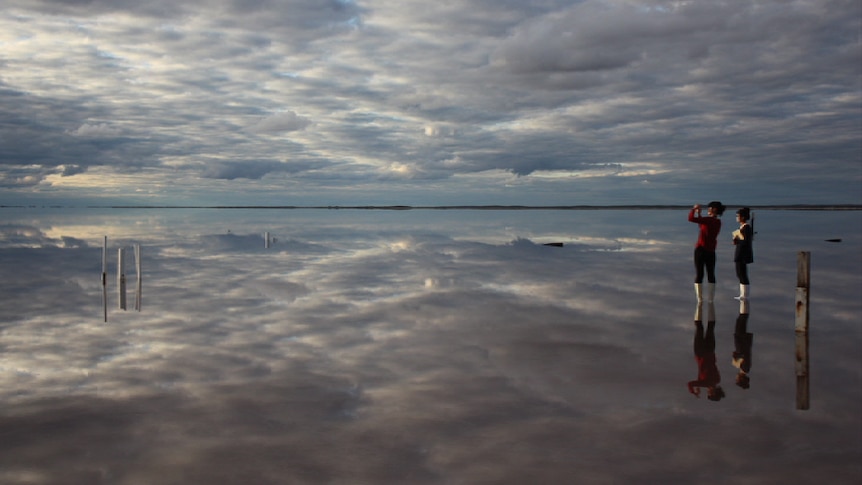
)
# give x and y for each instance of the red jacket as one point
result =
(709, 229)
(707, 372)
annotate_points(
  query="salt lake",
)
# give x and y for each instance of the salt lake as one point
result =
(419, 347)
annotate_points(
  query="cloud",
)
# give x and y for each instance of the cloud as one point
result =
(99, 130)
(439, 130)
(234, 170)
(281, 123)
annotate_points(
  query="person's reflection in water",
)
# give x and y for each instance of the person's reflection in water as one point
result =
(742, 340)
(704, 353)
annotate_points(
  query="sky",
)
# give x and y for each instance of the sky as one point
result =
(420, 347)
(342, 102)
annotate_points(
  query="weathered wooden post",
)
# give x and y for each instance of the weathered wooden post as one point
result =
(105, 278)
(138, 277)
(121, 278)
(803, 273)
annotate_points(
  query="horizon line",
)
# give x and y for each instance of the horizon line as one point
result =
(448, 207)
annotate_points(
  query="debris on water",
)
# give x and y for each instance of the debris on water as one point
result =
(834, 240)
(555, 244)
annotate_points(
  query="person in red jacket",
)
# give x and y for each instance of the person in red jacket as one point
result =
(704, 250)
(704, 354)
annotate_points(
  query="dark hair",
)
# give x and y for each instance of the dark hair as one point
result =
(717, 207)
(744, 213)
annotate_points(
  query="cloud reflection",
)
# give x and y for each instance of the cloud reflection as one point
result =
(378, 352)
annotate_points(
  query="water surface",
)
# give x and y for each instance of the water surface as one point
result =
(421, 347)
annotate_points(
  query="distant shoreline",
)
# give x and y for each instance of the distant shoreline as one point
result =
(810, 207)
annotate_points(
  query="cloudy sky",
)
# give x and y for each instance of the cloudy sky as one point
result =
(408, 102)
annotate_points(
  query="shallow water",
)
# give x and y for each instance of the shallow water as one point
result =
(420, 346)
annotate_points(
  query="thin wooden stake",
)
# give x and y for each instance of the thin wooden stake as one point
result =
(138, 277)
(121, 278)
(105, 278)
(803, 284)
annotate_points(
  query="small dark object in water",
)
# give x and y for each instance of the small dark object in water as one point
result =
(558, 245)
(834, 240)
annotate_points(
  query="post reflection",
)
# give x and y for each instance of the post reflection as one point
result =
(742, 341)
(704, 354)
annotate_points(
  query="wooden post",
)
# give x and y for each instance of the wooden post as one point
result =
(803, 273)
(266, 240)
(138, 277)
(121, 278)
(105, 278)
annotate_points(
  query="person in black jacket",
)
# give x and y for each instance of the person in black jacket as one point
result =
(743, 340)
(744, 252)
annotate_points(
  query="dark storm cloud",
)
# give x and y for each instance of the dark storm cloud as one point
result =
(713, 81)
(254, 169)
(270, 12)
(42, 136)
